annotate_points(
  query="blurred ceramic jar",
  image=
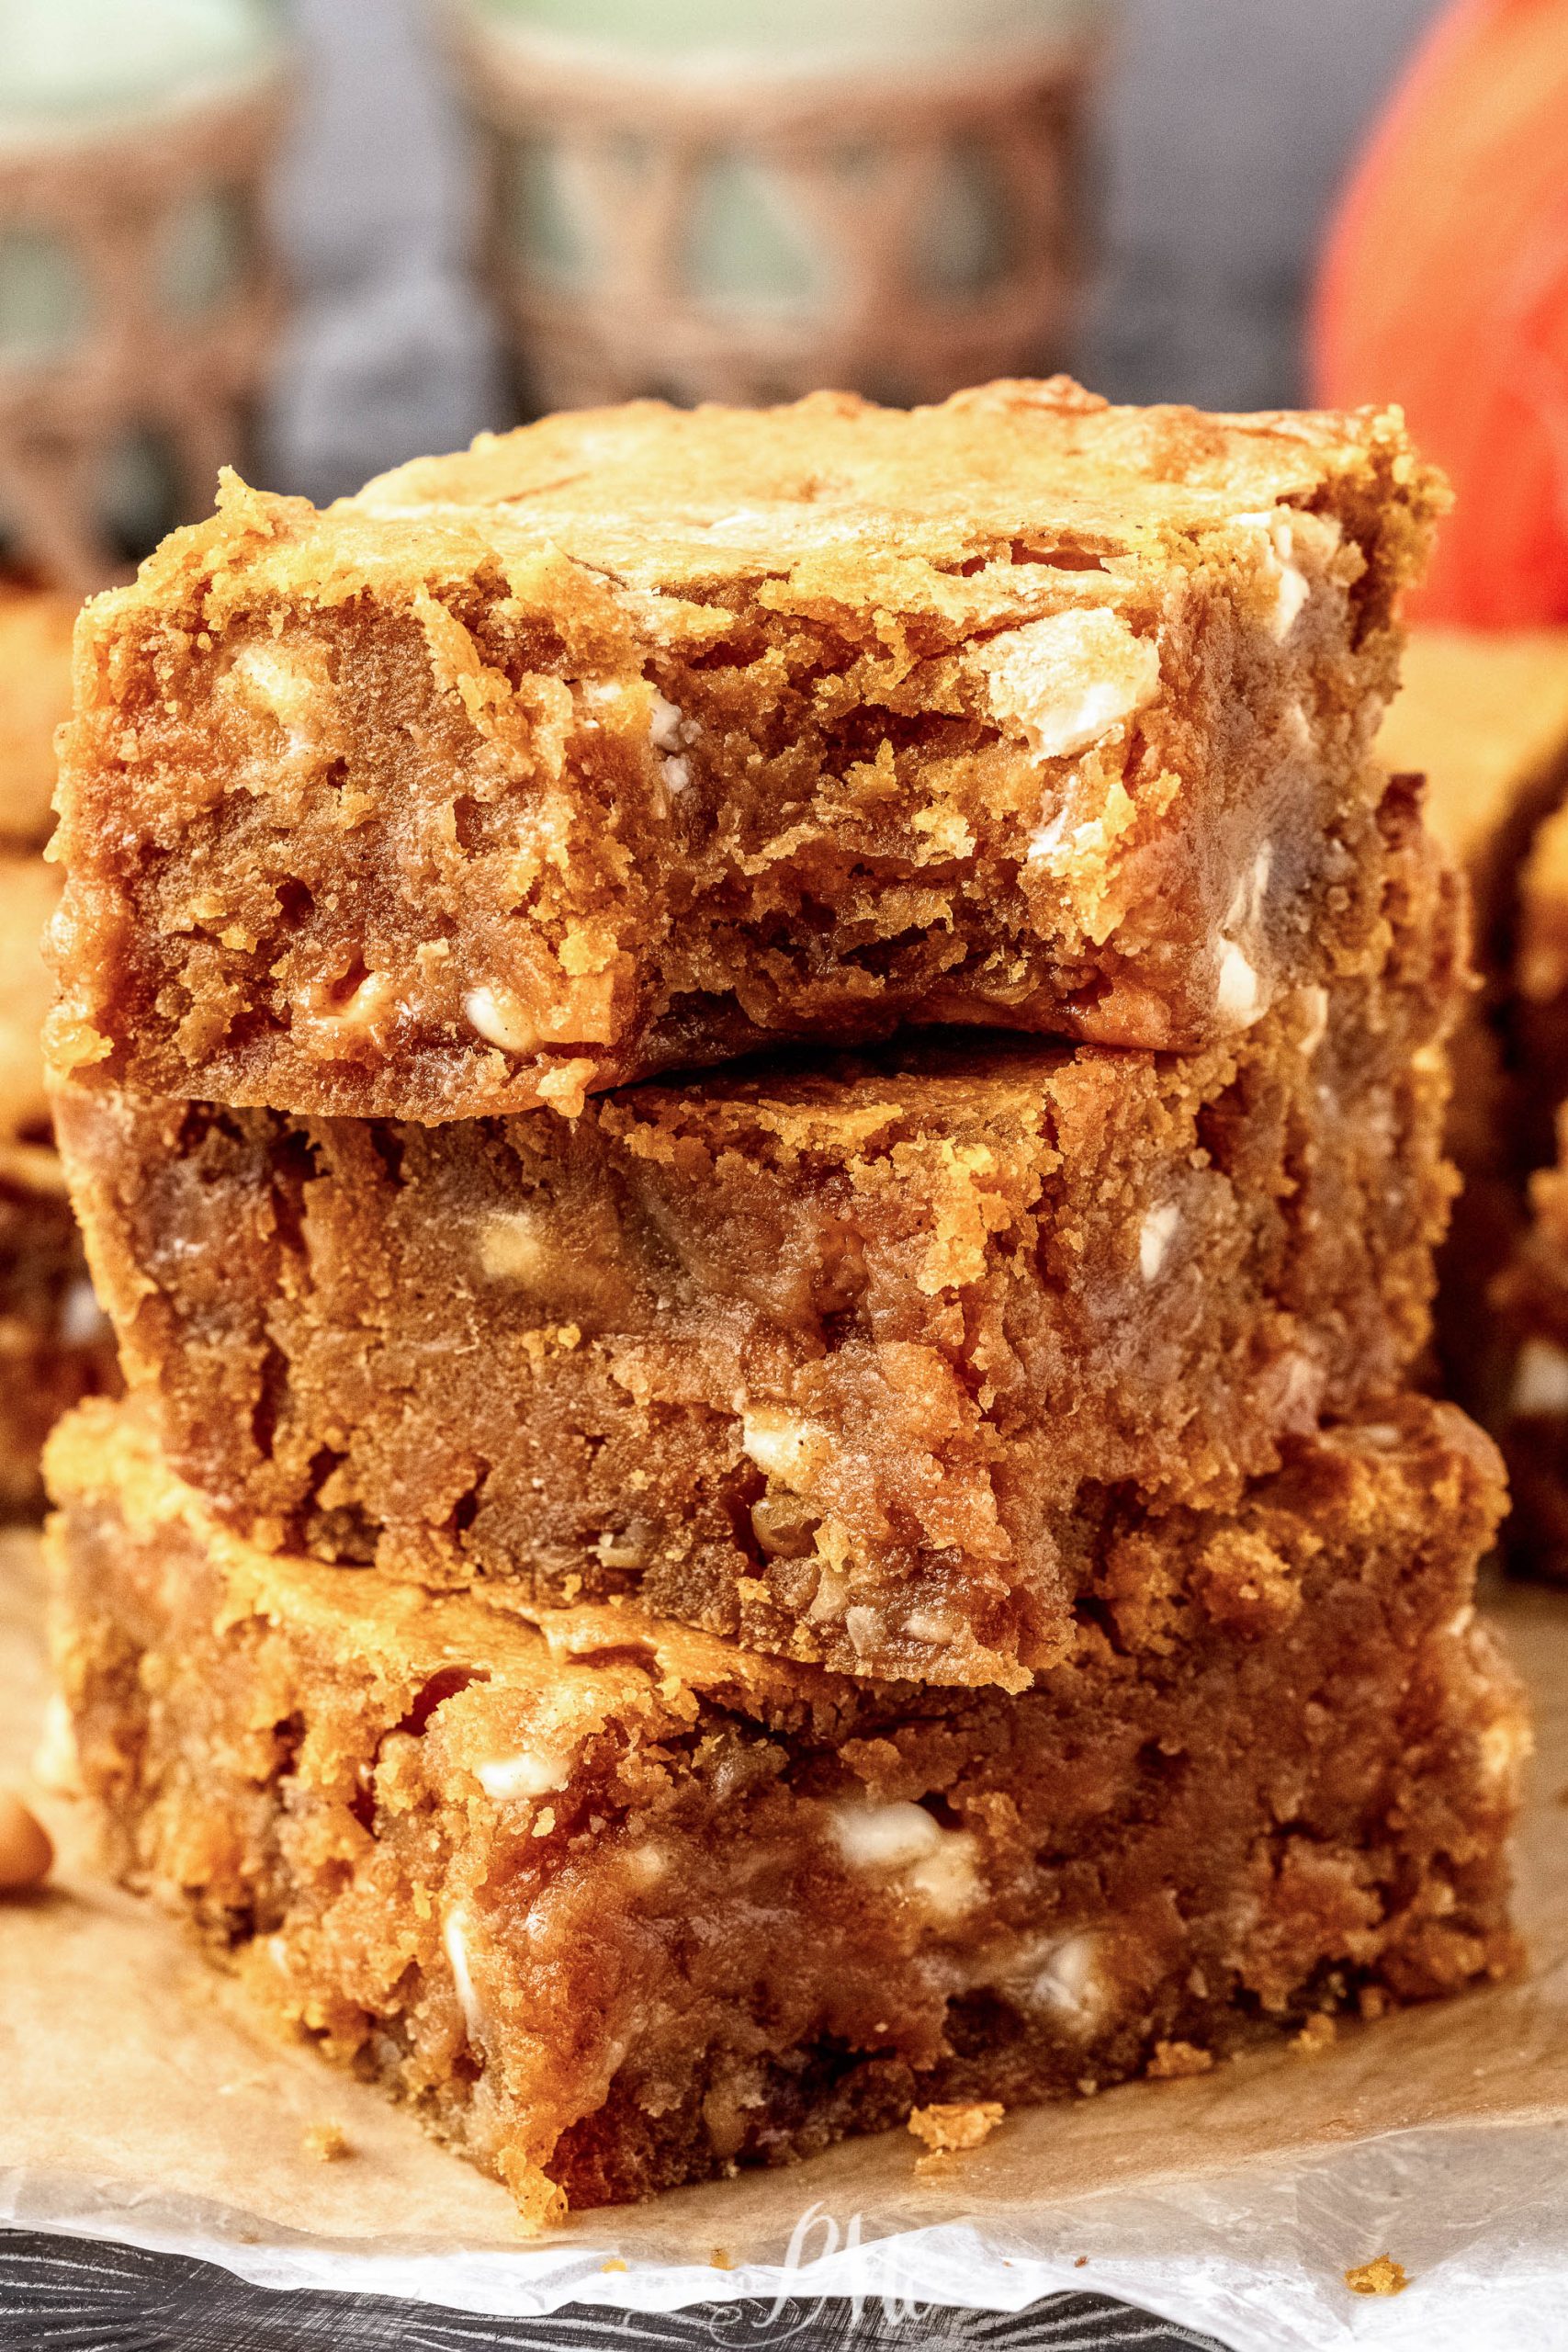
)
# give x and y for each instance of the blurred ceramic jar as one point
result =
(742, 202)
(138, 301)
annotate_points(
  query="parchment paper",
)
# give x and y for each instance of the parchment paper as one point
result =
(137, 2102)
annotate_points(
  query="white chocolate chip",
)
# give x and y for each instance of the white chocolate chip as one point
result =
(948, 1881)
(1048, 838)
(57, 1763)
(936, 1865)
(362, 1011)
(1238, 996)
(532, 1772)
(1154, 1236)
(1503, 1747)
(665, 726)
(864, 1627)
(1061, 1973)
(81, 1319)
(676, 772)
(455, 1937)
(1248, 897)
(1290, 1391)
(785, 1446)
(928, 1626)
(1067, 679)
(501, 1020)
(1239, 993)
(510, 1248)
(1314, 1006)
(829, 1599)
(1291, 595)
(291, 694)
(1541, 1380)
(1069, 1978)
(884, 1837)
(1291, 587)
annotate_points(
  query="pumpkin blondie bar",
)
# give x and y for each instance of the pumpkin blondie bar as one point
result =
(638, 738)
(614, 1905)
(839, 1358)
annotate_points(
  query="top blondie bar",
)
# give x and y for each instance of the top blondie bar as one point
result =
(635, 737)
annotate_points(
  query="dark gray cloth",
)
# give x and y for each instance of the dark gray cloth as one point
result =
(72, 2296)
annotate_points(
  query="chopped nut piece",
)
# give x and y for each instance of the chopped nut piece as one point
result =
(1382, 2276)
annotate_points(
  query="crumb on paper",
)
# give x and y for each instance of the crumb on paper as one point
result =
(1080, 2260)
(326, 2143)
(1382, 2276)
(615, 2263)
(1372, 2001)
(1173, 2059)
(1318, 2034)
(719, 2259)
(947, 2128)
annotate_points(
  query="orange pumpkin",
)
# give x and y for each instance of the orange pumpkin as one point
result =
(1445, 286)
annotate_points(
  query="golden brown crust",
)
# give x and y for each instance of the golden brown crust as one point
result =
(532, 770)
(616, 1906)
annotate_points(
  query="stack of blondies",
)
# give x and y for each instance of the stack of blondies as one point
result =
(758, 1097)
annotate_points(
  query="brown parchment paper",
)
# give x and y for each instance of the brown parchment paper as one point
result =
(137, 2101)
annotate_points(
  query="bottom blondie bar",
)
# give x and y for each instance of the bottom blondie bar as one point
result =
(616, 1904)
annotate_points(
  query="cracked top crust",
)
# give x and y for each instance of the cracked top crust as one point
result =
(1018, 469)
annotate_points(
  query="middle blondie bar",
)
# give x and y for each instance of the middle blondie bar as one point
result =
(842, 1359)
